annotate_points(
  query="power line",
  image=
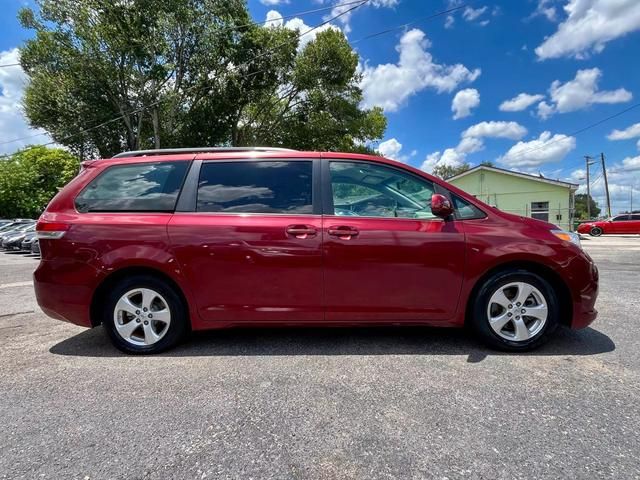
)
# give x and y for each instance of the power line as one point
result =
(408, 24)
(145, 107)
(577, 132)
(264, 22)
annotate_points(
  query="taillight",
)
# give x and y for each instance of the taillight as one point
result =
(51, 230)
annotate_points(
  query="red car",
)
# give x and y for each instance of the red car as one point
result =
(626, 223)
(154, 244)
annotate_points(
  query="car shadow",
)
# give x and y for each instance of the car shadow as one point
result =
(340, 341)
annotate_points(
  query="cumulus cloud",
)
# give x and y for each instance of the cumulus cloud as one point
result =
(12, 122)
(590, 24)
(627, 134)
(305, 32)
(546, 148)
(391, 149)
(520, 102)
(390, 85)
(465, 101)
(470, 14)
(510, 130)
(472, 141)
(273, 2)
(579, 93)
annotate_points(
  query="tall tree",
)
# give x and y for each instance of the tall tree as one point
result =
(187, 73)
(580, 202)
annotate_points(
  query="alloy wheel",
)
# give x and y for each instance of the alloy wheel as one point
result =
(142, 316)
(517, 311)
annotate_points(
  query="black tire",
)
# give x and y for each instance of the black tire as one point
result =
(178, 326)
(479, 318)
(595, 231)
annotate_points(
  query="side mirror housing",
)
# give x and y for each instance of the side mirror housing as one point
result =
(441, 206)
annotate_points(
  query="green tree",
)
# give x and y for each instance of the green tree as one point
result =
(580, 202)
(447, 171)
(187, 73)
(31, 177)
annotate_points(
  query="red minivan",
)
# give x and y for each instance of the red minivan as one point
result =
(153, 244)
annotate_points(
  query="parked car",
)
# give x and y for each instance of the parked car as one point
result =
(27, 241)
(620, 224)
(35, 247)
(14, 224)
(153, 244)
(15, 231)
(13, 240)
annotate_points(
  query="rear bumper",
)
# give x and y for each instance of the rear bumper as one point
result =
(63, 296)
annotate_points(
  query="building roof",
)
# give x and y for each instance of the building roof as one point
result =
(559, 183)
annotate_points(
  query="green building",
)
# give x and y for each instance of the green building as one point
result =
(521, 193)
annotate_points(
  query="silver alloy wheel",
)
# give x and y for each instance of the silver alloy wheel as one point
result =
(142, 316)
(517, 311)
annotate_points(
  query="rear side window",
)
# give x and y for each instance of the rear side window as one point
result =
(141, 187)
(256, 187)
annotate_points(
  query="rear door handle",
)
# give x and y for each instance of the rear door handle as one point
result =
(343, 232)
(302, 231)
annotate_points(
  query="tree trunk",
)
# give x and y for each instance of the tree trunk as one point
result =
(156, 128)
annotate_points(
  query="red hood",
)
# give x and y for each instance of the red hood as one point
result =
(529, 221)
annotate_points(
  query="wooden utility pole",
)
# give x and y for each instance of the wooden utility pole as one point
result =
(588, 162)
(606, 185)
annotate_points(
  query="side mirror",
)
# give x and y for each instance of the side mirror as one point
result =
(441, 206)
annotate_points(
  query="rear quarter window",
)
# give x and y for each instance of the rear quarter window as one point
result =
(140, 187)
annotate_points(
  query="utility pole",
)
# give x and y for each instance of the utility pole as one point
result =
(588, 162)
(606, 185)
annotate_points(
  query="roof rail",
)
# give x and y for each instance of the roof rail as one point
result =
(174, 151)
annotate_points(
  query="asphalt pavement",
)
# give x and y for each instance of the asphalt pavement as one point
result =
(323, 403)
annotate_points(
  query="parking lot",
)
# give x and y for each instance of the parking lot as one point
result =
(323, 403)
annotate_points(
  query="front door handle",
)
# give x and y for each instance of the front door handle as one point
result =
(302, 231)
(343, 232)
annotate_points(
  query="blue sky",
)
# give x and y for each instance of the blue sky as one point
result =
(444, 82)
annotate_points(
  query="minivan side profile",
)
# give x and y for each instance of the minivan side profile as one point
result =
(154, 244)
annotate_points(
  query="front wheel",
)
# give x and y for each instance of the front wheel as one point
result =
(143, 314)
(515, 311)
(595, 232)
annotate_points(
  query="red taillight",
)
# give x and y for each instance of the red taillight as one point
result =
(51, 230)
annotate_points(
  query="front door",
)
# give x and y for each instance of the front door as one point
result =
(387, 257)
(251, 249)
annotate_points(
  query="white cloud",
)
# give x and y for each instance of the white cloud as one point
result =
(545, 149)
(627, 134)
(305, 32)
(520, 102)
(449, 21)
(510, 130)
(472, 141)
(390, 85)
(471, 14)
(547, 9)
(391, 149)
(450, 157)
(465, 101)
(273, 2)
(579, 93)
(590, 24)
(13, 124)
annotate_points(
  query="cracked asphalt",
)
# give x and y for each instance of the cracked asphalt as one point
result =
(404, 403)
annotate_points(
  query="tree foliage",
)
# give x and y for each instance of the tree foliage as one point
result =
(31, 177)
(447, 171)
(580, 202)
(188, 73)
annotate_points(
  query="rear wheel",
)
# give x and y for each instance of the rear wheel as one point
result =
(595, 232)
(515, 310)
(143, 314)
